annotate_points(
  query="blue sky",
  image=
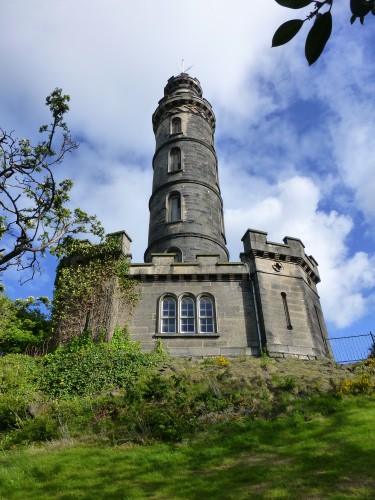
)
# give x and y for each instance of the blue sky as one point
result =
(295, 143)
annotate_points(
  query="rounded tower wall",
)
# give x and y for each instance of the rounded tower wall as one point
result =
(201, 215)
(186, 208)
(197, 164)
(193, 125)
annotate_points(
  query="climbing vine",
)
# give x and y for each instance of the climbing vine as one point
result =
(87, 278)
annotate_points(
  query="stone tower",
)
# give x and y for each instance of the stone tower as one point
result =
(192, 299)
(186, 208)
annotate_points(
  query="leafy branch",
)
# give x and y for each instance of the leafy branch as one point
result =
(321, 29)
(33, 212)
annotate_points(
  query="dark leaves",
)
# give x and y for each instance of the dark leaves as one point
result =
(360, 8)
(294, 4)
(286, 32)
(321, 31)
(318, 37)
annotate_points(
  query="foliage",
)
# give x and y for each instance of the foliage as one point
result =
(361, 385)
(30, 430)
(321, 29)
(83, 367)
(34, 214)
(311, 453)
(218, 360)
(222, 361)
(18, 375)
(114, 392)
(84, 273)
(23, 326)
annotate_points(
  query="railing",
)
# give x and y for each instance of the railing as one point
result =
(353, 348)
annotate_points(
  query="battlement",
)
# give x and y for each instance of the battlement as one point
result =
(292, 250)
(123, 241)
(206, 267)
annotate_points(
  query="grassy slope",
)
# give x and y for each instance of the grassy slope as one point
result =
(330, 456)
(315, 447)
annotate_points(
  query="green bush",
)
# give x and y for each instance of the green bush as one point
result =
(30, 430)
(83, 367)
(18, 374)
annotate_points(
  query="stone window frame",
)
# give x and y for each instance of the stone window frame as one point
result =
(189, 319)
(200, 317)
(179, 329)
(175, 125)
(164, 317)
(174, 165)
(173, 212)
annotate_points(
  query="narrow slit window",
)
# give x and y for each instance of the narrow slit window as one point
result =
(286, 310)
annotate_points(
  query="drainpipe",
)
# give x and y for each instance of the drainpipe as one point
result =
(256, 310)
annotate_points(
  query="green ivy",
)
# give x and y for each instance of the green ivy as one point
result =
(85, 271)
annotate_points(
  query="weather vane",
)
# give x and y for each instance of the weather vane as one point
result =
(182, 67)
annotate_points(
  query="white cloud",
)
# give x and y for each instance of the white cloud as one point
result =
(290, 208)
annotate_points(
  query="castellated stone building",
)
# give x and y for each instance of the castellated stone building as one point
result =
(193, 297)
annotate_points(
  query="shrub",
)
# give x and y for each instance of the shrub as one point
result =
(32, 430)
(221, 361)
(83, 367)
(360, 385)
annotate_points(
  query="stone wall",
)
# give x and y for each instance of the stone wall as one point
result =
(285, 280)
(227, 283)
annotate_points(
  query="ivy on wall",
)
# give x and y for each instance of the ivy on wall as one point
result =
(88, 278)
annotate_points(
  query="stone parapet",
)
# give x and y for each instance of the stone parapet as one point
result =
(292, 250)
(205, 267)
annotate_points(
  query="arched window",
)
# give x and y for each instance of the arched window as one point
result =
(206, 315)
(175, 125)
(174, 207)
(174, 160)
(168, 315)
(187, 315)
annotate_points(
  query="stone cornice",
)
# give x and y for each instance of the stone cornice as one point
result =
(194, 103)
(184, 234)
(281, 257)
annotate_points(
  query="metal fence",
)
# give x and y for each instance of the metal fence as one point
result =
(353, 348)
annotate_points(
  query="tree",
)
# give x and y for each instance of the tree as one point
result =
(34, 215)
(321, 29)
(23, 325)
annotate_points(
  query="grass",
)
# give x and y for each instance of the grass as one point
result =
(324, 448)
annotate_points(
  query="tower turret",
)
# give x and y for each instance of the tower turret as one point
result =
(186, 208)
